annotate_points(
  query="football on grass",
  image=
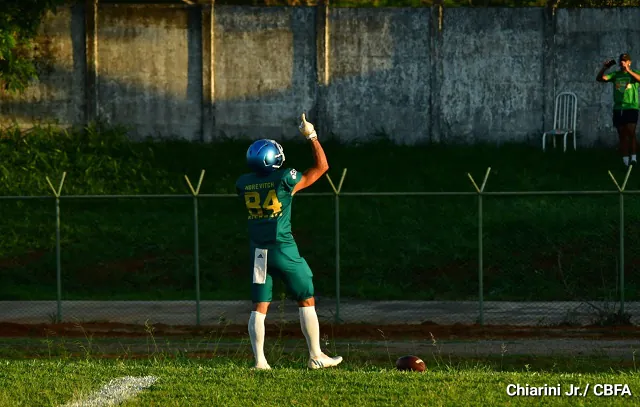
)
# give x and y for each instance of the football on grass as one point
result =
(410, 362)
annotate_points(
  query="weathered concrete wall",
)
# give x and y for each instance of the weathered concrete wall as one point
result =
(491, 87)
(264, 70)
(59, 96)
(379, 73)
(483, 75)
(149, 70)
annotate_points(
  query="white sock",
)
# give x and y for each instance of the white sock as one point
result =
(311, 329)
(256, 333)
(633, 157)
(626, 160)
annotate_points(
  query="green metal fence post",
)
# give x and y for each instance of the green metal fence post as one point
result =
(337, 238)
(480, 246)
(196, 241)
(621, 237)
(57, 193)
(621, 253)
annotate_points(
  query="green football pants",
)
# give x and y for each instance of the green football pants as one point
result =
(282, 262)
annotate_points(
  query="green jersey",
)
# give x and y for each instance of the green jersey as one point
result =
(625, 90)
(268, 201)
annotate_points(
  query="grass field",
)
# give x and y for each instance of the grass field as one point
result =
(561, 247)
(55, 375)
(220, 382)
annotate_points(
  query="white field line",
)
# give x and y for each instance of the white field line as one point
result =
(115, 392)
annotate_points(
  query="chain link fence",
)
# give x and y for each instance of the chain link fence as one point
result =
(557, 253)
(493, 258)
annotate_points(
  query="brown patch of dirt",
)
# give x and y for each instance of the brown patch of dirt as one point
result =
(457, 270)
(105, 271)
(346, 331)
(126, 265)
(303, 239)
(544, 262)
(23, 260)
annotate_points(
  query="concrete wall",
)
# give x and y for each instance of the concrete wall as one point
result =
(264, 70)
(59, 96)
(379, 73)
(149, 70)
(491, 87)
(451, 75)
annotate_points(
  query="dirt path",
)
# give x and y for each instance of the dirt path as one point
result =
(425, 328)
(349, 311)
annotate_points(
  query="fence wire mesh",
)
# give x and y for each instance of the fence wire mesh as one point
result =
(385, 259)
(27, 260)
(632, 259)
(410, 250)
(128, 252)
(550, 260)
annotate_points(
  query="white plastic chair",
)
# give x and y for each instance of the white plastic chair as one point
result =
(564, 119)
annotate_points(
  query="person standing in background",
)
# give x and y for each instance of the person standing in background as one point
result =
(625, 104)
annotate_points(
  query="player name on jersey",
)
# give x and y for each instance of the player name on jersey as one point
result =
(253, 187)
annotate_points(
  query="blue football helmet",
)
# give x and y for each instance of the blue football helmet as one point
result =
(264, 156)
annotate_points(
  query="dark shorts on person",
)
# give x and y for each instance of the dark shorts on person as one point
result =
(625, 116)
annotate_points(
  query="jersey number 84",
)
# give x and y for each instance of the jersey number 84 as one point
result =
(255, 207)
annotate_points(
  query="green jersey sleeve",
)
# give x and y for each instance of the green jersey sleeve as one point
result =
(290, 178)
(610, 76)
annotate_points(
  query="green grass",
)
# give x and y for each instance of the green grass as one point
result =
(392, 247)
(214, 370)
(226, 382)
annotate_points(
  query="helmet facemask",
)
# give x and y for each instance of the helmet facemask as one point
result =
(279, 157)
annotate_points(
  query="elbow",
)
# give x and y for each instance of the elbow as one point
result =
(322, 165)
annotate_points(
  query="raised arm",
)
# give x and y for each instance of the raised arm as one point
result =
(600, 77)
(320, 160)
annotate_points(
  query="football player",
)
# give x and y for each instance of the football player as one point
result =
(267, 192)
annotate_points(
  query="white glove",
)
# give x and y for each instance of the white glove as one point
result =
(307, 129)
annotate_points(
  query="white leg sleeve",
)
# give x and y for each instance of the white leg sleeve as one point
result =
(311, 330)
(256, 333)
